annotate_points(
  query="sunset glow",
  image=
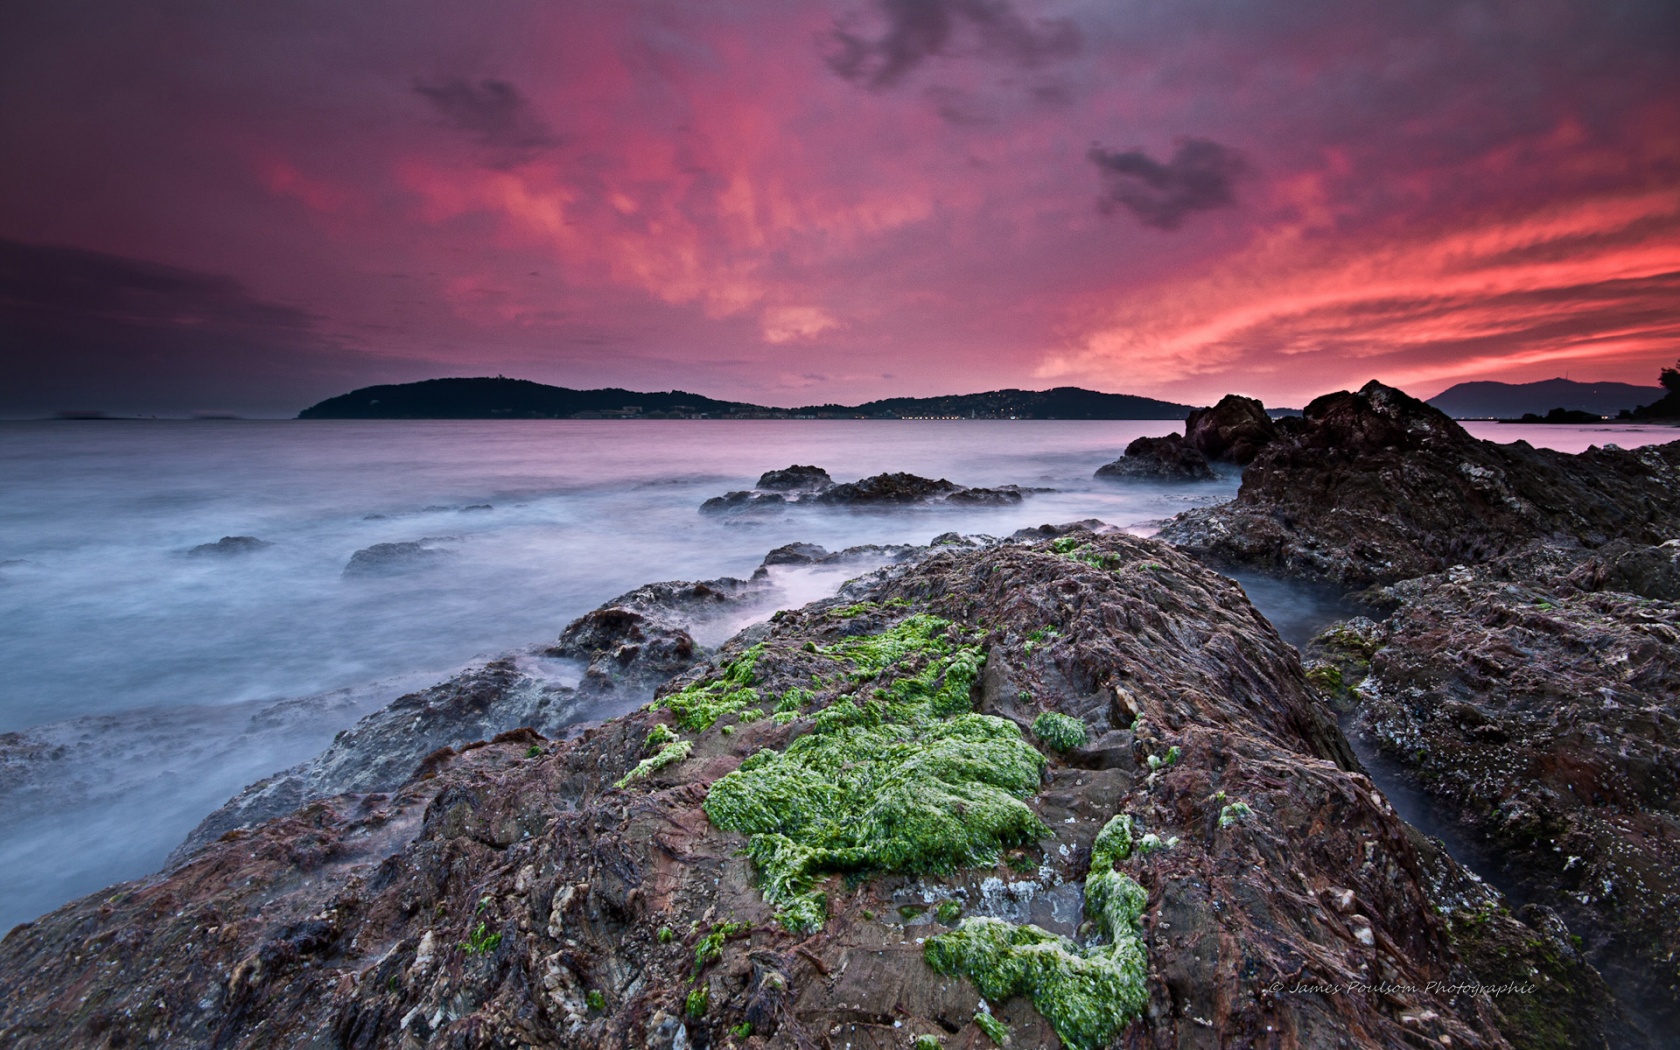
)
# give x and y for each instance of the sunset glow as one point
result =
(789, 203)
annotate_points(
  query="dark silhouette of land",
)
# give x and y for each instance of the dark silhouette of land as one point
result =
(502, 398)
(1491, 400)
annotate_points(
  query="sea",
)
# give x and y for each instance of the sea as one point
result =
(142, 685)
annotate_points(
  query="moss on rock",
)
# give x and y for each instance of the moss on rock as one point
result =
(1059, 732)
(1087, 994)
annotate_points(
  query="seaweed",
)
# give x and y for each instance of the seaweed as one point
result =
(1058, 731)
(670, 754)
(1087, 994)
(697, 706)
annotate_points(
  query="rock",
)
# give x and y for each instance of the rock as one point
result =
(228, 546)
(1235, 430)
(796, 554)
(795, 479)
(736, 502)
(1161, 458)
(1050, 532)
(1381, 487)
(1542, 718)
(881, 490)
(1246, 802)
(390, 559)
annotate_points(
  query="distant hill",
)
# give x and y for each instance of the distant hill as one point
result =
(1063, 402)
(501, 398)
(1489, 400)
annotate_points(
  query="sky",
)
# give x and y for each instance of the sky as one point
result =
(208, 206)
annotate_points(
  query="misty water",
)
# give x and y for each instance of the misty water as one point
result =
(143, 686)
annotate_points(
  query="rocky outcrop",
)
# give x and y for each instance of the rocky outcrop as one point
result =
(390, 559)
(795, 479)
(1234, 430)
(880, 490)
(228, 546)
(1168, 458)
(1233, 876)
(1534, 699)
(1379, 487)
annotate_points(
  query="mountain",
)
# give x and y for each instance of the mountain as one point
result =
(1489, 400)
(502, 398)
(1063, 402)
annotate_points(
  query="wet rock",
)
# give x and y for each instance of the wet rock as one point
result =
(1542, 718)
(795, 479)
(1160, 458)
(796, 554)
(390, 559)
(228, 546)
(1047, 531)
(881, 490)
(310, 929)
(1234, 430)
(1381, 487)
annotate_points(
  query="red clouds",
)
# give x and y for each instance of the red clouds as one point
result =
(741, 196)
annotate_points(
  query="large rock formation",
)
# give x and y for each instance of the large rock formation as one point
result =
(838, 833)
(1168, 458)
(1380, 487)
(1234, 430)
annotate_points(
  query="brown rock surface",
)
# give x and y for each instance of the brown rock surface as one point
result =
(508, 894)
(1234, 430)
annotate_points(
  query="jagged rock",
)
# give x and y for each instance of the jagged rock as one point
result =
(881, 490)
(795, 479)
(1047, 531)
(389, 559)
(1234, 430)
(796, 554)
(1160, 458)
(744, 500)
(1381, 487)
(229, 545)
(1542, 717)
(500, 897)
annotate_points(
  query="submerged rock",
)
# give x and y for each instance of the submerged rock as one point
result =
(586, 893)
(803, 488)
(390, 559)
(795, 479)
(229, 545)
(1168, 458)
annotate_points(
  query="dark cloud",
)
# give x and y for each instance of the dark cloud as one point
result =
(1200, 176)
(919, 29)
(493, 114)
(81, 329)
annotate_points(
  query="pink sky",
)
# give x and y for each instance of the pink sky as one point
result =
(211, 205)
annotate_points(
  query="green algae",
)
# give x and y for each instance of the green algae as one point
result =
(863, 794)
(658, 736)
(1081, 550)
(710, 948)
(670, 754)
(995, 1030)
(925, 1042)
(1058, 731)
(948, 912)
(697, 1002)
(1087, 994)
(699, 705)
(1234, 814)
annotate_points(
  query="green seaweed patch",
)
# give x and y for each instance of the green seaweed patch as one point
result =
(710, 948)
(1083, 551)
(926, 1042)
(1087, 994)
(995, 1030)
(948, 912)
(658, 736)
(917, 635)
(859, 794)
(697, 1001)
(1235, 813)
(793, 700)
(596, 999)
(697, 706)
(668, 755)
(1059, 732)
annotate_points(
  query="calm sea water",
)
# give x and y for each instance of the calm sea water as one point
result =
(148, 686)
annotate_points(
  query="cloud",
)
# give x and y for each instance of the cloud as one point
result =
(917, 30)
(82, 329)
(493, 114)
(1200, 176)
